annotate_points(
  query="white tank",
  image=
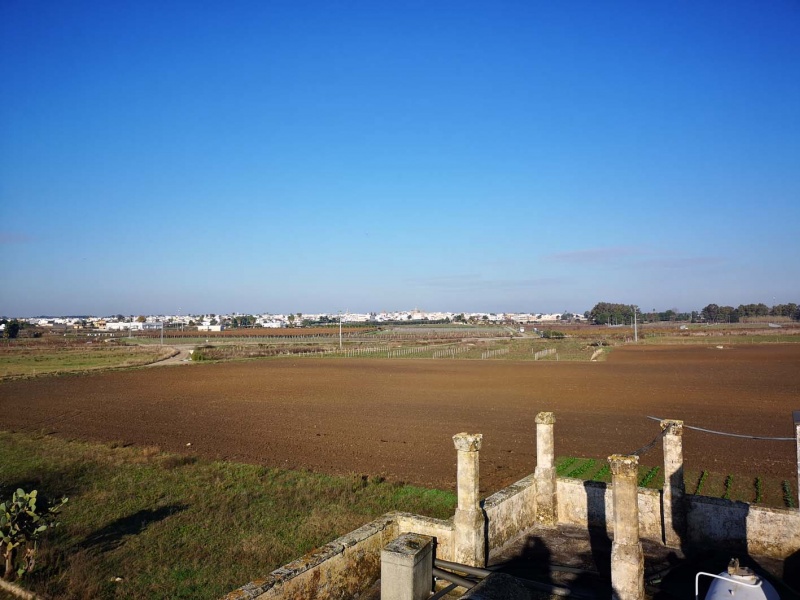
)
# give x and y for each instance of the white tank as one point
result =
(738, 583)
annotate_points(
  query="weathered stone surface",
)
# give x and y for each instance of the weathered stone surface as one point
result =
(589, 503)
(508, 512)
(468, 442)
(627, 558)
(796, 415)
(469, 537)
(674, 426)
(440, 530)
(627, 571)
(623, 465)
(545, 497)
(340, 569)
(348, 565)
(406, 568)
(469, 522)
(738, 526)
(673, 492)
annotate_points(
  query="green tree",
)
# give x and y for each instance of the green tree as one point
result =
(710, 313)
(610, 313)
(12, 329)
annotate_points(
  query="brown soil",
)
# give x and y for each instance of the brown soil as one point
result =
(396, 418)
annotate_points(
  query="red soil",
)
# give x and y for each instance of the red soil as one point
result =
(397, 417)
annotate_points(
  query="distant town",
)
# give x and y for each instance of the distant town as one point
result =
(218, 322)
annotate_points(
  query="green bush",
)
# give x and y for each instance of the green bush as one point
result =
(553, 335)
(21, 525)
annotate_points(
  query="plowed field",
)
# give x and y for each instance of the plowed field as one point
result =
(396, 417)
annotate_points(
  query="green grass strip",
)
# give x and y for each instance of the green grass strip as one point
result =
(649, 476)
(700, 482)
(728, 487)
(602, 473)
(578, 472)
(565, 465)
(788, 496)
(176, 526)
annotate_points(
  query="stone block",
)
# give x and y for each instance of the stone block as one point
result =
(407, 568)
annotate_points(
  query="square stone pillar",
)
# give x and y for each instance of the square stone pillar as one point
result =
(544, 475)
(627, 558)
(469, 522)
(796, 416)
(407, 568)
(672, 506)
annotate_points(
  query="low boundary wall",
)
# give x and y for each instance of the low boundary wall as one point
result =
(345, 567)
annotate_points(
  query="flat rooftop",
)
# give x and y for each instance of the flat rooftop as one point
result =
(580, 558)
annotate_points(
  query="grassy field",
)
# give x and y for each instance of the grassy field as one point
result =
(25, 359)
(752, 488)
(582, 342)
(144, 524)
(523, 349)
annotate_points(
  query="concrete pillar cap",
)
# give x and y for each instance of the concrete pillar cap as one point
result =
(673, 426)
(622, 464)
(546, 418)
(468, 442)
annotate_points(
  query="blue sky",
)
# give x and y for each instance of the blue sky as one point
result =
(367, 155)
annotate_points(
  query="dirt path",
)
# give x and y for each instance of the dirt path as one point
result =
(397, 417)
(182, 355)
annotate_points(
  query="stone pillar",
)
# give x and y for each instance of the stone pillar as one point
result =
(672, 505)
(407, 568)
(470, 525)
(627, 558)
(545, 473)
(796, 416)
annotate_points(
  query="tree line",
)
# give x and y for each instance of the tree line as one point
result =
(714, 313)
(610, 313)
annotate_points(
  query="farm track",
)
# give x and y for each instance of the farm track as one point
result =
(396, 417)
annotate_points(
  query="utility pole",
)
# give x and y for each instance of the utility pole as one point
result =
(340, 331)
(635, 327)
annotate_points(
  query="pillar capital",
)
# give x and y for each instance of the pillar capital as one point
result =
(672, 426)
(545, 418)
(624, 465)
(468, 442)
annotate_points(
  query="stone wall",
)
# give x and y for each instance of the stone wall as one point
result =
(510, 511)
(350, 564)
(714, 522)
(588, 504)
(440, 530)
(341, 569)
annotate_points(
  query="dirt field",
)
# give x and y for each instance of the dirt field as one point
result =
(397, 417)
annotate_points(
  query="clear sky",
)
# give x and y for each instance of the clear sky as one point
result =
(313, 156)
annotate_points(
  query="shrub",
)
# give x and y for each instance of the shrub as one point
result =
(21, 525)
(553, 335)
